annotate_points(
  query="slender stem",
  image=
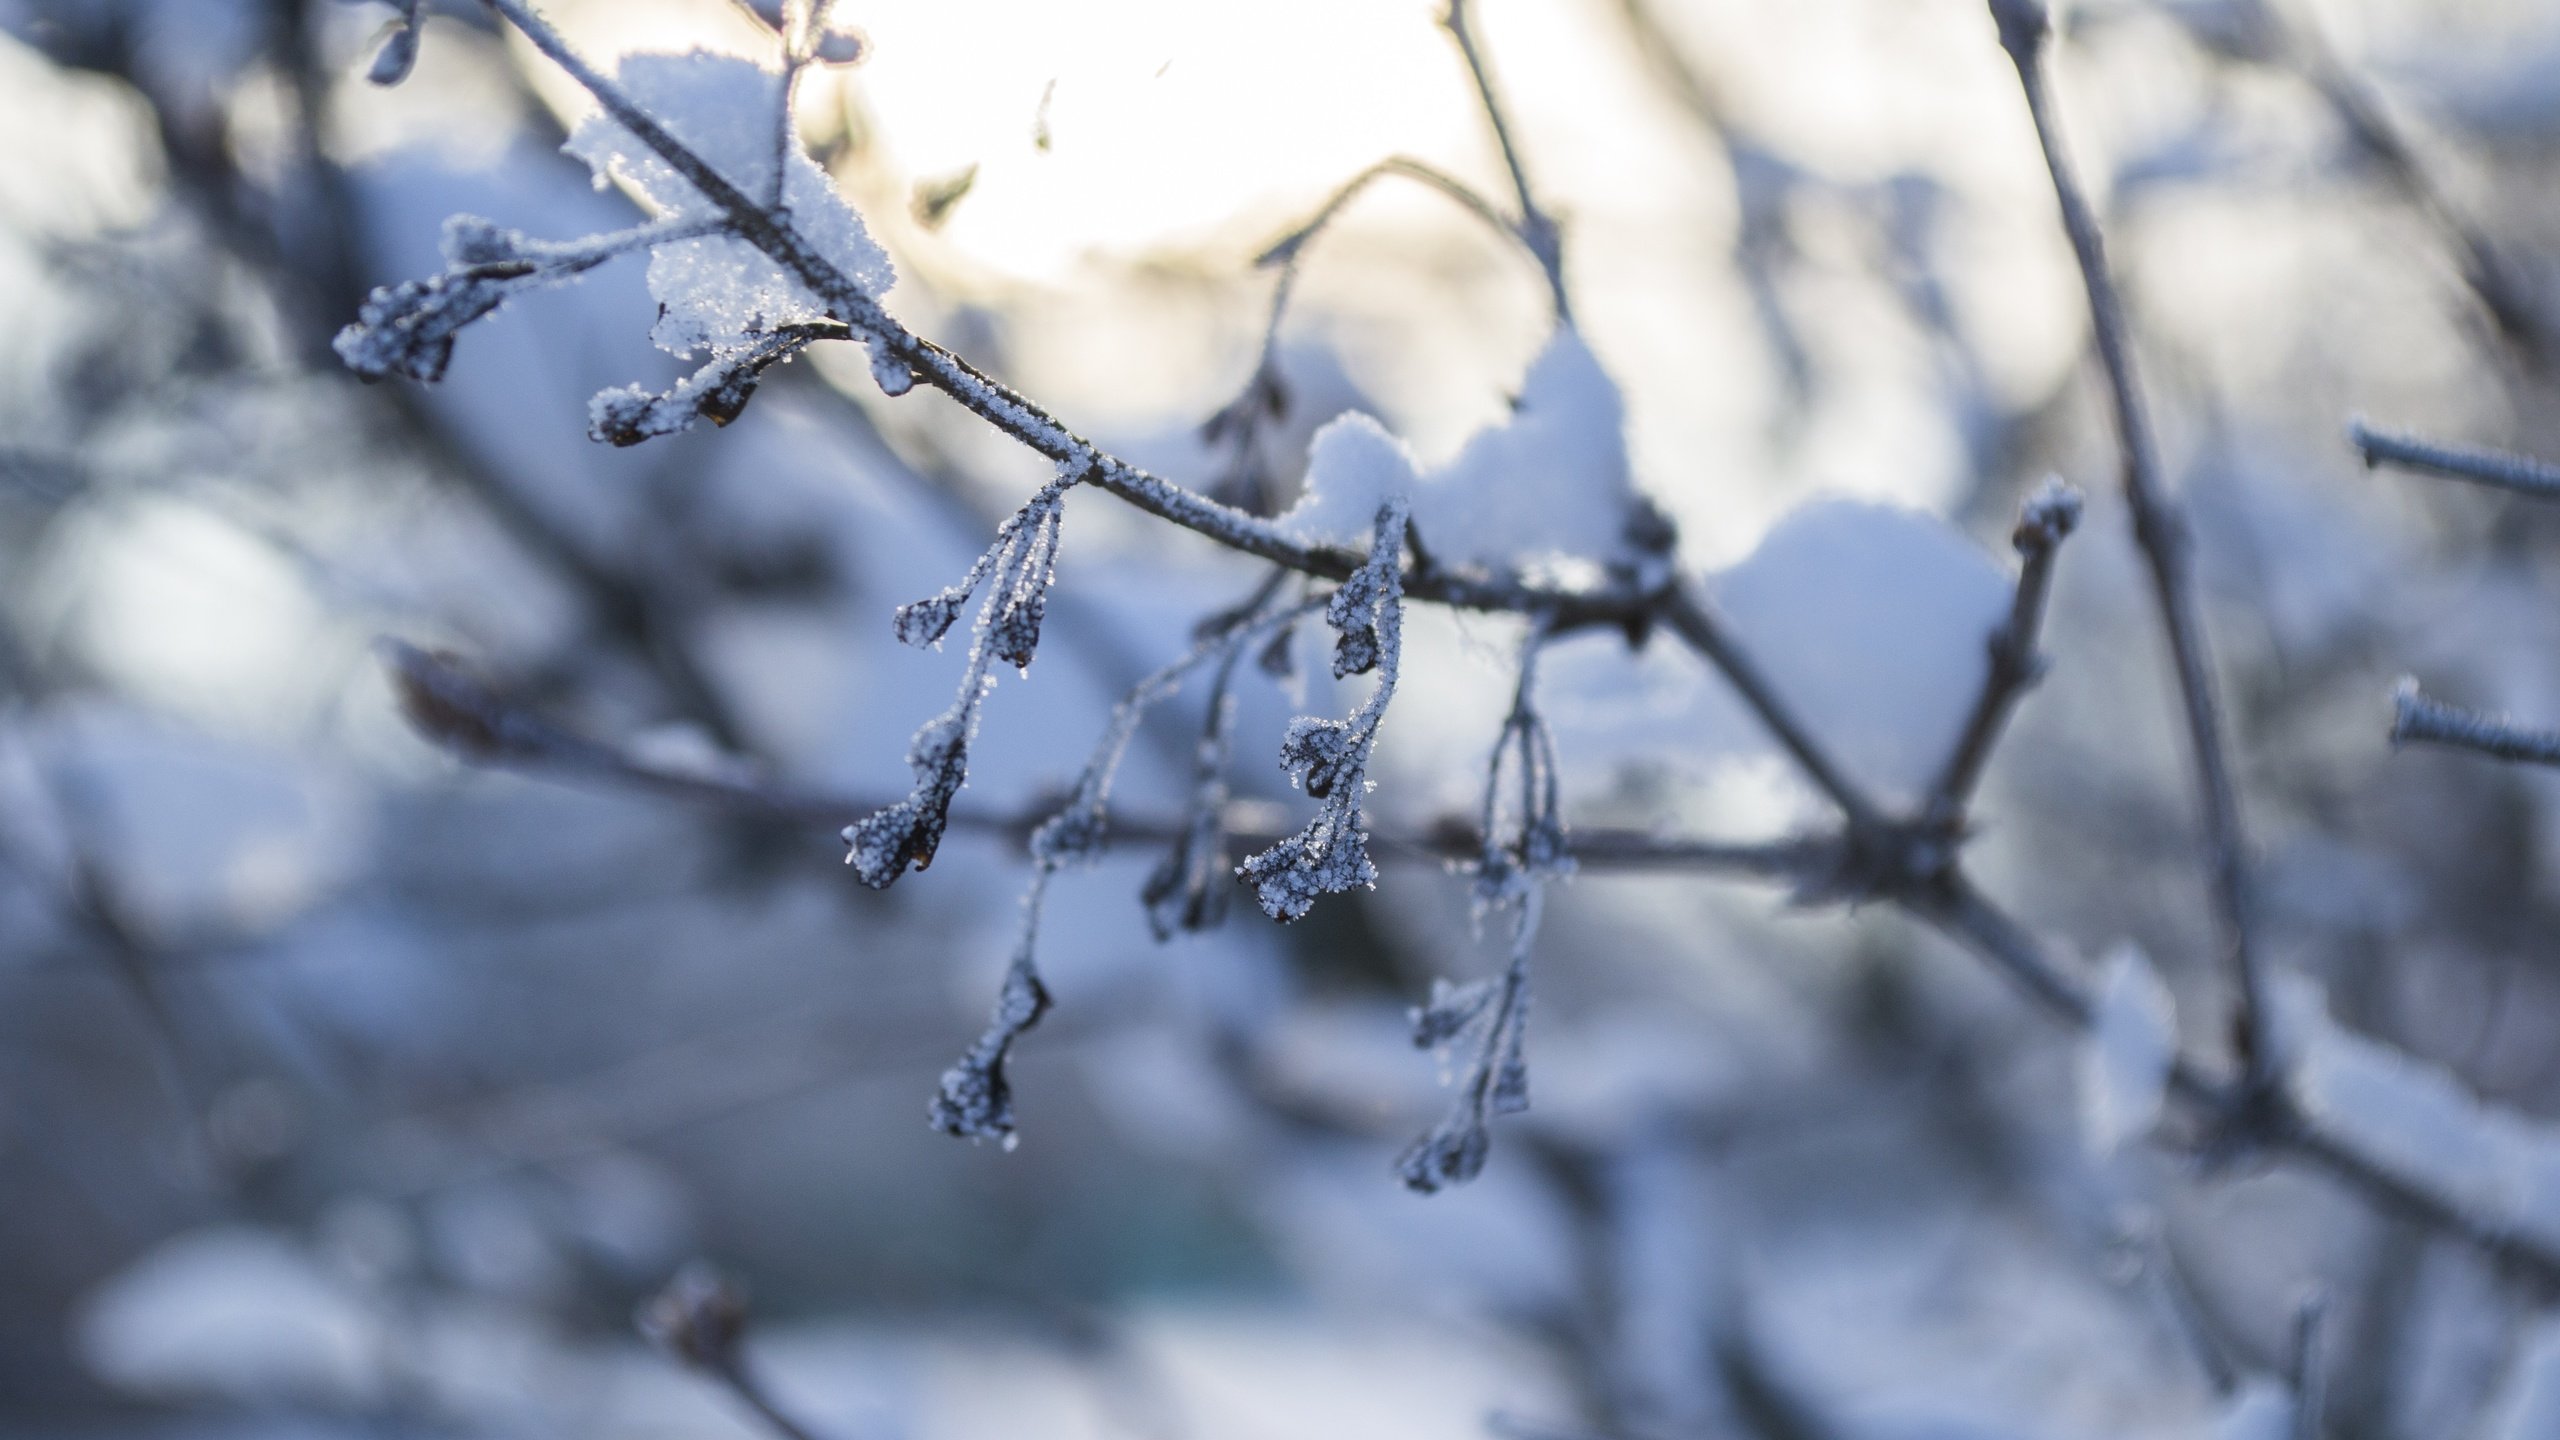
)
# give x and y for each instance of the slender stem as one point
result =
(2161, 532)
(2046, 521)
(1537, 228)
(2517, 474)
(2420, 719)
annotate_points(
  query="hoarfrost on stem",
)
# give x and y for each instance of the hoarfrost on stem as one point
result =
(1330, 758)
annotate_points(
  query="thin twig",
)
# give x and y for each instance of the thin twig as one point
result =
(2420, 719)
(2047, 519)
(1538, 229)
(2516, 474)
(2161, 532)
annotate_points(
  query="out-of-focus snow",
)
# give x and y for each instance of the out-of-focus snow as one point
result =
(1874, 622)
(236, 1313)
(2418, 1123)
(2527, 1403)
(1549, 482)
(2260, 1409)
(2124, 1063)
(716, 291)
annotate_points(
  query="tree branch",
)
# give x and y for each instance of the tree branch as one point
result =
(2516, 474)
(2419, 719)
(2161, 532)
(2047, 519)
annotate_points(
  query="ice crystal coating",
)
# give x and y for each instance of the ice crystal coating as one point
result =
(1330, 758)
(1022, 563)
(718, 392)
(976, 1101)
(409, 328)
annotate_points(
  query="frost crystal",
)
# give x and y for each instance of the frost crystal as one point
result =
(2124, 1064)
(718, 293)
(1330, 758)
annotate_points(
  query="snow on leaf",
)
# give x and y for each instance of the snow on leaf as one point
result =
(2124, 1062)
(717, 292)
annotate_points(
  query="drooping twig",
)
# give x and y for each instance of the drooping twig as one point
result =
(2048, 517)
(1524, 848)
(2517, 474)
(2161, 531)
(2418, 718)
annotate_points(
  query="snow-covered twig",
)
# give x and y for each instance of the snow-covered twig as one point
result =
(2160, 529)
(2517, 474)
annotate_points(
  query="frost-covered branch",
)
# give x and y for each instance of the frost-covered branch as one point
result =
(2517, 474)
(1016, 572)
(2160, 529)
(409, 329)
(2418, 718)
(2048, 517)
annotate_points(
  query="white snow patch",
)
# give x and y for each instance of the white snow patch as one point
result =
(233, 1312)
(1873, 621)
(1549, 483)
(717, 291)
(2124, 1064)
